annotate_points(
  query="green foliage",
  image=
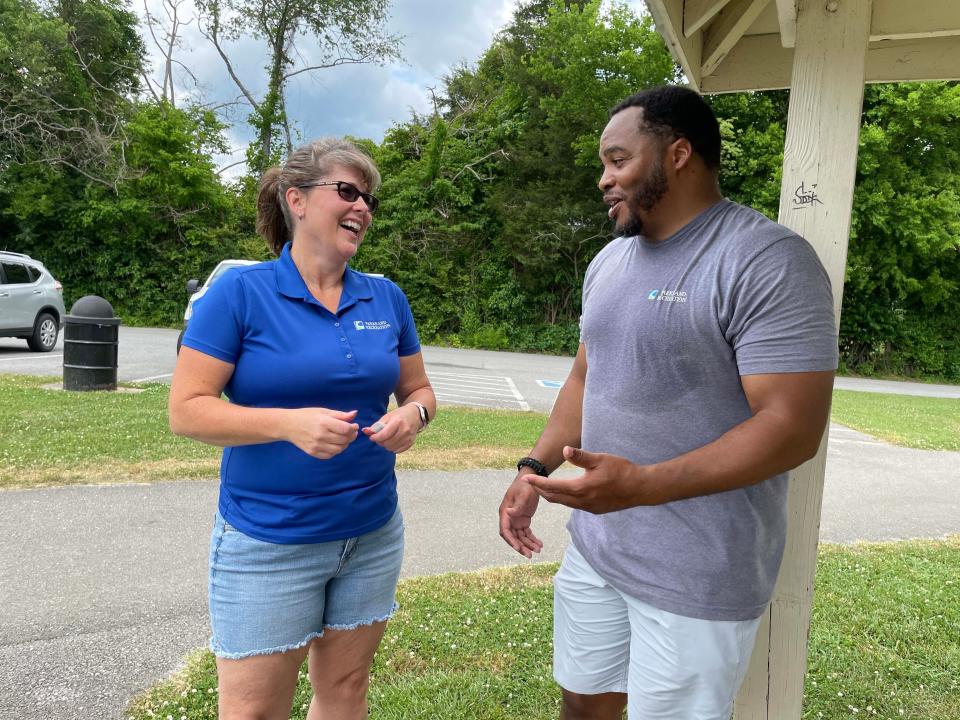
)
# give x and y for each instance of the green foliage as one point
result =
(172, 219)
(491, 211)
(900, 296)
(67, 70)
(752, 127)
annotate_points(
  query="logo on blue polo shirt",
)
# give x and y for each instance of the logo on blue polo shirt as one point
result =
(371, 325)
(652, 295)
(358, 324)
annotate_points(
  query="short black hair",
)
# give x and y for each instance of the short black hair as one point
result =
(674, 111)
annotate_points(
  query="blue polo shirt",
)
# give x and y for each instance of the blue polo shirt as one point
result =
(289, 351)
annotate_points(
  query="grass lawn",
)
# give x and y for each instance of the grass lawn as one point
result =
(885, 643)
(917, 422)
(55, 438)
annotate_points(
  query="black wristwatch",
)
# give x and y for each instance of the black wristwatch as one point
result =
(538, 467)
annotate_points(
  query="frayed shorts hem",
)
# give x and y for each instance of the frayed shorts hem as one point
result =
(296, 646)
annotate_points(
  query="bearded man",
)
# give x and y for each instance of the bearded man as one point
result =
(704, 374)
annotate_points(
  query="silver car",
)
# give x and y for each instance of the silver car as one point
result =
(31, 302)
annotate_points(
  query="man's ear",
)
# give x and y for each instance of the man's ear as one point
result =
(679, 154)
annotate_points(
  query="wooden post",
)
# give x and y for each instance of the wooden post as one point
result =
(816, 199)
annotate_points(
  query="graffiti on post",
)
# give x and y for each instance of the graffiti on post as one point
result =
(804, 197)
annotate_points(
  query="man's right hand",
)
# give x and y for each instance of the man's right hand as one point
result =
(516, 512)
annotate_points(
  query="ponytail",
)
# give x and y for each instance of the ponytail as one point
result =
(273, 222)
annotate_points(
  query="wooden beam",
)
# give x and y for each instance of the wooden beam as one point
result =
(816, 201)
(787, 15)
(697, 13)
(934, 58)
(900, 20)
(759, 62)
(726, 31)
(668, 17)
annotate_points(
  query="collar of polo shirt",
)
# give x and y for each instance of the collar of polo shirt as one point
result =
(291, 283)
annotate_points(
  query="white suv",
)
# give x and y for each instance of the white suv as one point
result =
(31, 302)
(195, 291)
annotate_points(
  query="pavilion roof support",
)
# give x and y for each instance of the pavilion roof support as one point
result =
(668, 16)
(816, 201)
(726, 31)
(787, 15)
(760, 62)
(697, 13)
(900, 20)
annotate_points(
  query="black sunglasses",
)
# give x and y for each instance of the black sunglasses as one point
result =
(348, 192)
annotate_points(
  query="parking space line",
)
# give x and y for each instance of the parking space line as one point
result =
(493, 391)
(465, 394)
(496, 382)
(472, 403)
(516, 393)
(465, 375)
(38, 356)
(152, 377)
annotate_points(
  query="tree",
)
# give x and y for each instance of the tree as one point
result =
(491, 211)
(302, 36)
(67, 72)
(165, 34)
(901, 300)
(560, 67)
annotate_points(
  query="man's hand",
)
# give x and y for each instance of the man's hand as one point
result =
(321, 432)
(516, 512)
(609, 483)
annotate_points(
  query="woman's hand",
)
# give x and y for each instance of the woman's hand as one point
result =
(399, 429)
(321, 432)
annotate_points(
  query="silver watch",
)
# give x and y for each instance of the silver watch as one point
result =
(424, 416)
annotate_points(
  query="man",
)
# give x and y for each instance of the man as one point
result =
(704, 374)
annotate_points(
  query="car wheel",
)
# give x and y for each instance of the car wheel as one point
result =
(180, 340)
(45, 332)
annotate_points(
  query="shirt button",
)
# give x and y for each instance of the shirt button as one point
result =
(336, 324)
(349, 356)
(343, 339)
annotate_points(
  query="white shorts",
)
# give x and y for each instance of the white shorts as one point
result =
(671, 667)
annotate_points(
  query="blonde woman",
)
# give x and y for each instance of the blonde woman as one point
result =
(308, 538)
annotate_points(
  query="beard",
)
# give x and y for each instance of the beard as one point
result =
(650, 191)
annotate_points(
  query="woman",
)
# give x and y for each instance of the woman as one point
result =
(307, 543)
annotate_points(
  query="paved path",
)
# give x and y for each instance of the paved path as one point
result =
(102, 588)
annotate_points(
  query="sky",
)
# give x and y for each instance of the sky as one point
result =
(359, 100)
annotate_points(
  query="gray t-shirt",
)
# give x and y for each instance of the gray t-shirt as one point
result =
(669, 328)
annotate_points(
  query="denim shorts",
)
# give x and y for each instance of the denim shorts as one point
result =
(270, 598)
